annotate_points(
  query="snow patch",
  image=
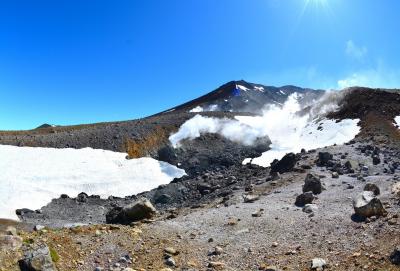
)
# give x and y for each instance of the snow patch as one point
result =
(242, 87)
(197, 109)
(259, 88)
(31, 177)
(292, 137)
(397, 120)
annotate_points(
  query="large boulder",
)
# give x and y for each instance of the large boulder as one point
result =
(286, 164)
(136, 211)
(324, 158)
(366, 205)
(312, 183)
(37, 260)
(167, 154)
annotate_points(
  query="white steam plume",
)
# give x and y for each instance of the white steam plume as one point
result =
(288, 130)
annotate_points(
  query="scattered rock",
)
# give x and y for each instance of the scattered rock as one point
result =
(395, 256)
(396, 189)
(366, 205)
(335, 175)
(216, 265)
(286, 164)
(250, 198)
(318, 264)
(38, 227)
(324, 158)
(218, 250)
(373, 188)
(376, 160)
(170, 261)
(305, 198)
(310, 208)
(257, 213)
(171, 251)
(37, 260)
(130, 213)
(312, 183)
(82, 197)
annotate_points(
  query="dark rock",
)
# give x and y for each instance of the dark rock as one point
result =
(82, 197)
(167, 154)
(303, 199)
(367, 205)
(23, 211)
(162, 199)
(204, 188)
(324, 158)
(395, 256)
(312, 183)
(373, 188)
(286, 164)
(37, 260)
(136, 211)
(376, 160)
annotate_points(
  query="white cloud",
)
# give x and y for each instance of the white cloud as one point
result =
(377, 77)
(354, 51)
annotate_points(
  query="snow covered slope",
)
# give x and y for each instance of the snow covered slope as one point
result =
(31, 177)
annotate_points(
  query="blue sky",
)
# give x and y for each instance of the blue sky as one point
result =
(70, 62)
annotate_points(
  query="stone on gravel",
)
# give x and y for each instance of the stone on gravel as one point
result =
(139, 210)
(10, 242)
(366, 205)
(324, 158)
(318, 264)
(171, 251)
(310, 208)
(335, 175)
(170, 261)
(395, 256)
(250, 198)
(286, 164)
(37, 260)
(216, 265)
(303, 199)
(376, 160)
(373, 188)
(312, 183)
(396, 189)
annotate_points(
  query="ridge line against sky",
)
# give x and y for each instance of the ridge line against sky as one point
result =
(70, 62)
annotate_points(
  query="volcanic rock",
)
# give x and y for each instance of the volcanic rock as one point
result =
(366, 205)
(373, 188)
(395, 256)
(286, 164)
(318, 264)
(37, 260)
(303, 199)
(312, 183)
(324, 158)
(133, 212)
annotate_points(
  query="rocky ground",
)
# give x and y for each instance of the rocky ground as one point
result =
(335, 208)
(237, 219)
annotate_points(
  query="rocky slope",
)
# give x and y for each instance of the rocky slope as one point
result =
(334, 208)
